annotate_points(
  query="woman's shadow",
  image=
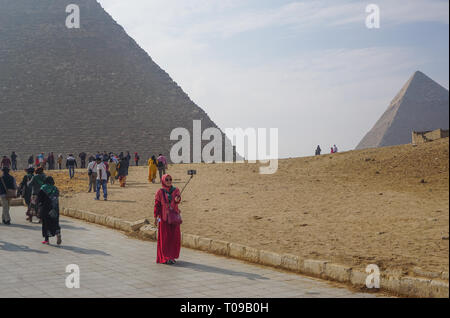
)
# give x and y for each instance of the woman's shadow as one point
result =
(218, 270)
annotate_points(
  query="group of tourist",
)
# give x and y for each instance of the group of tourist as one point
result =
(41, 196)
(334, 149)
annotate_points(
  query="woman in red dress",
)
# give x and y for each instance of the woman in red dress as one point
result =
(169, 235)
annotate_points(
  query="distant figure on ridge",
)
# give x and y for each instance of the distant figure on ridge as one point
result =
(335, 149)
(318, 150)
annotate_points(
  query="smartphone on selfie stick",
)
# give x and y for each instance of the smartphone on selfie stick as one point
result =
(190, 173)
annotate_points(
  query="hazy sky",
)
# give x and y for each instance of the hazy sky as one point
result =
(310, 68)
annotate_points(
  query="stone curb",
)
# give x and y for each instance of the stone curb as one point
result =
(104, 220)
(433, 285)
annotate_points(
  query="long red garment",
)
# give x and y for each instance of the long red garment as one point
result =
(169, 236)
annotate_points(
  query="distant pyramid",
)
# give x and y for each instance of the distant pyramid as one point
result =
(422, 104)
(88, 89)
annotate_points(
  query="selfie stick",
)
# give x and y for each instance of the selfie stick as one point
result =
(186, 184)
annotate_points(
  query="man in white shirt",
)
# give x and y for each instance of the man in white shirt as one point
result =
(92, 172)
(102, 179)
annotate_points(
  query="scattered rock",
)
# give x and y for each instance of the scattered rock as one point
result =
(377, 172)
(445, 238)
(381, 233)
(257, 217)
(423, 181)
(303, 225)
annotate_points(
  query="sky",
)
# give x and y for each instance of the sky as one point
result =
(310, 68)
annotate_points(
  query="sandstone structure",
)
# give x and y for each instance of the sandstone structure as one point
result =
(91, 89)
(420, 137)
(421, 105)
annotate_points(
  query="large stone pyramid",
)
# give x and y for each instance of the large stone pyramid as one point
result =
(89, 89)
(421, 105)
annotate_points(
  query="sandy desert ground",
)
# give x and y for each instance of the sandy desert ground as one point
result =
(387, 206)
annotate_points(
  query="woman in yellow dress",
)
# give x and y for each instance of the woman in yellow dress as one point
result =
(152, 169)
(113, 171)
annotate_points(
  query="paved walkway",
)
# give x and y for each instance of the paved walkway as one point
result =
(113, 265)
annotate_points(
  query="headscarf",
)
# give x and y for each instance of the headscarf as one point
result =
(154, 159)
(49, 186)
(166, 188)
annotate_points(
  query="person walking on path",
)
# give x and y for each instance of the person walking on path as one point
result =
(136, 159)
(162, 166)
(335, 149)
(6, 163)
(152, 168)
(92, 173)
(128, 157)
(36, 183)
(102, 179)
(169, 236)
(71, 164)
(122, 170)
(48, 205)
(14, 161)
(8, 191)
(112, 170)
(25, 190)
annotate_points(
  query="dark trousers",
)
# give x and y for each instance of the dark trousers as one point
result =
(14, 165)
(71, 171)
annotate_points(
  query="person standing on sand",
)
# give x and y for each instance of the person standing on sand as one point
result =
(13, 161)
(136, 159)
(169, 235)
(102, 179)
(318, 150)
(152, 168)
(112, 170)
(48, 205)
(60, 160)
(30, 161)
(122, 169)
(92, 173)
(71, 164)
(7, 183)
(335, 149)
(6, 163)
(162, 166)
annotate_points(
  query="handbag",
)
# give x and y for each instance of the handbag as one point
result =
(173, 217)
(10, 193)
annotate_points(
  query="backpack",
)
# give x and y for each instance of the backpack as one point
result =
(53, 213)
(160, 164)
